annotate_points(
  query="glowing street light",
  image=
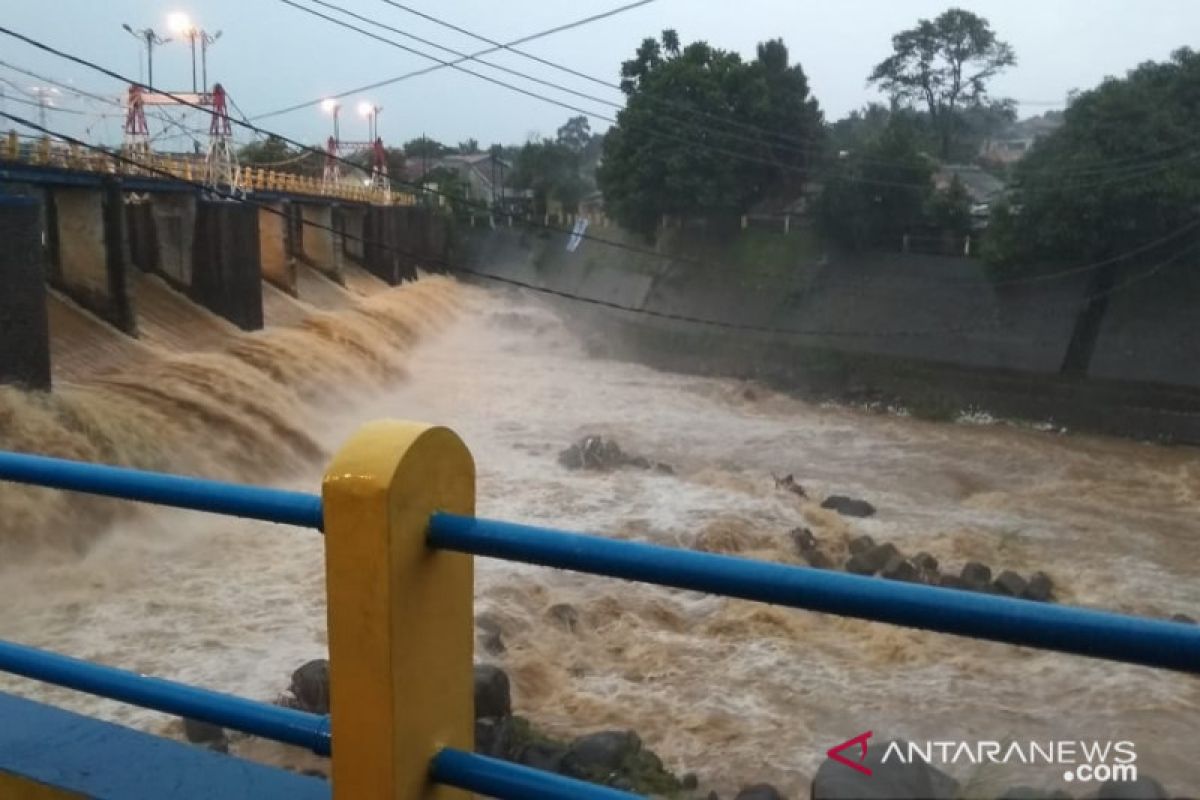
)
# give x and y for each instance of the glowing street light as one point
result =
(331, 106)
(370, 112)
(180, 24)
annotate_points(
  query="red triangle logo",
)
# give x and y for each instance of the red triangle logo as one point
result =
(835, 752)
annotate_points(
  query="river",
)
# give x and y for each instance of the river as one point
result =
(734, 691)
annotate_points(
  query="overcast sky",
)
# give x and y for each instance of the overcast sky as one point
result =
(271, 55)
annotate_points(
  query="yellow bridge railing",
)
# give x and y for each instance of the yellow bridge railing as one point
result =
(43, 151)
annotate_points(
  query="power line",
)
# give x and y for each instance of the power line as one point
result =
(45, 106)
(409, 75)
(827, 333)
(465, 270)
(566, 89)
(600, 81)
(1141, 170)
(666, 102)
(181, 101)
(62, 85)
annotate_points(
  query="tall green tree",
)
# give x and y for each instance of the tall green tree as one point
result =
(945, 65)
(704, 132)
(575, 134)
(1122, 171)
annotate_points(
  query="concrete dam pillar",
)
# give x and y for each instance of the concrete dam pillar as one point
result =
(351, 222)
(378, 237)
(24, 331)
(320, 243)
(86, 235)
(166, 248)
(274, 241)
(226, 271)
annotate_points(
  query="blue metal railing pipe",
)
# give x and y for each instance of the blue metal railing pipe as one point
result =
(1118, 637)
(248, 716)
(199, 494)
(502, 780)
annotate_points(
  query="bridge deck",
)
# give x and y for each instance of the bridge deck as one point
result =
(84, 757)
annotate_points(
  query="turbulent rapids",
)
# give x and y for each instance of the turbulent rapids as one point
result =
(734, 691)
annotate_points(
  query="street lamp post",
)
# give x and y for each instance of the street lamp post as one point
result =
(150, 38)
(371, 114)
(205, 41)
(331, 106)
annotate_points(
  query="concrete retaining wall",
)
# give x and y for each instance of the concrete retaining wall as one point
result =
(931, 329)
(24, 334)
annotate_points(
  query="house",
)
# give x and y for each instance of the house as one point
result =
(1012, 145)
(982, 187)
(482, 174)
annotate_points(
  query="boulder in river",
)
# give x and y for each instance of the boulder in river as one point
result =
(1039, 588)
(598, 453)
(804, 540)
(1182, 618)
(873, 560)
(1010, 583)
(848, 506)
(598, 755)
(310, 686)
(493, 695)
(891, 779)
(860, 544)
(899, 568)
(976, 576)
(205, 733)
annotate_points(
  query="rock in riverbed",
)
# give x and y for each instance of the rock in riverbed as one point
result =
(600, 454)
(848, 506)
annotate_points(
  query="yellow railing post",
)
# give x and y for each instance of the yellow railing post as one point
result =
(400, 614)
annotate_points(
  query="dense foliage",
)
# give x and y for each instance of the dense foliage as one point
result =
(705, 133)
(878, 191)
(1121, 172)
(558, 169)
(944, 65)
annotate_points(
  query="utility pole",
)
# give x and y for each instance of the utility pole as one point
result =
(150, 39)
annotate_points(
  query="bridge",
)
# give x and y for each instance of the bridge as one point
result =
(397, 510)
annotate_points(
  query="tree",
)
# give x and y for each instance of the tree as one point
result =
(946, 65)
(425, 147)
(877, 193)
(469, 147)
(552, 170)
(1121, 172)
(575, 134)
(705, 133)
(950, 210)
